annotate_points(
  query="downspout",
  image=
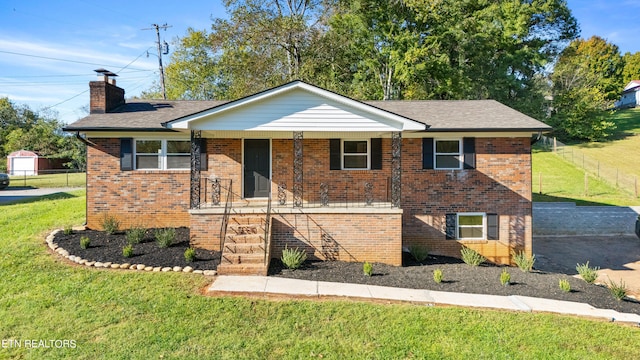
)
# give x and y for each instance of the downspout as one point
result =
(86, 198)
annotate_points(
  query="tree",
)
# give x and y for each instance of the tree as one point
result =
(631, 69)
(586, 81)
(25, 129)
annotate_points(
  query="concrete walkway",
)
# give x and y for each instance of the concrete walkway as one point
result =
(274, 286)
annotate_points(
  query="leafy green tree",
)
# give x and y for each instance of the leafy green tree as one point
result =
(587, 79)
(21, 128)
(631, 69)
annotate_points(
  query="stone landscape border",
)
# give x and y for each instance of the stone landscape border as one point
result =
(125, 266)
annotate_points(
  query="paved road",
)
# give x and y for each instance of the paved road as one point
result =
(19, 194)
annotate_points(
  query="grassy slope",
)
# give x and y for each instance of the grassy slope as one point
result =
(624, 151)
(563, 181)
(124, 314)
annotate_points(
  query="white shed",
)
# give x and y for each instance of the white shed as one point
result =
(22, 162)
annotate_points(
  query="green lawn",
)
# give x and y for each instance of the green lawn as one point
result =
(49, 180)
(132, 315)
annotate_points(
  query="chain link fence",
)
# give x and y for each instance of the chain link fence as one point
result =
(48, 178)
(612, 175)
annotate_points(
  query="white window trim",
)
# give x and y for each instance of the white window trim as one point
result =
(484, 225)
(436, 153)
(368, 155)
(162, 155)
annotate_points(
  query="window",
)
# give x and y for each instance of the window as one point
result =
(471, 226)
(162, 154)
(355, 154)
(448, 154)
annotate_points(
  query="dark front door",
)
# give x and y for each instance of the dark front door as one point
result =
(257, 161)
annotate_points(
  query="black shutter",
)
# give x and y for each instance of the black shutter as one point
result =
(334, 154)
(427, 153)
(451, 223)
(376, 154)
(126, 154)
(492, 227)
(469, 150)
(203, 154)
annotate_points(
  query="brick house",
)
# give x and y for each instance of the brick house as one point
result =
(300, 166)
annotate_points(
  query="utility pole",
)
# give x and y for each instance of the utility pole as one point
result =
(162, 49)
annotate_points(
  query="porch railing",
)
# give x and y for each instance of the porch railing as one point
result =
(267, 230)
(343, 194)
(225, 217)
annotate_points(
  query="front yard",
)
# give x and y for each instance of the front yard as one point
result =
(140, 315)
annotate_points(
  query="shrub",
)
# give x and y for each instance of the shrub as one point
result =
(367, 268)
(437, 276)
(84, 242)
(110, 224)
(190, 254)
(471, 257)
(419, 252)
(524, 262)
(619, 291)
(165, 237)
(127, 251)
(135, 235)
(564, 285)
(505, 277)
(67, 230)
(293, 258)
(588, 274)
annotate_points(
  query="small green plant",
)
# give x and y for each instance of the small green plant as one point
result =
(293, 258)
(165, 237)
(471, 257)
(110, 224)
(588, 274)
(135, 235)
(85, 242)
(418, 252)
(367, 268)
(438, 276)
(524, 262)
(190, 254)
(505, 277)
(564, 285)
(68, 230)
(127, 251)
(618, 290)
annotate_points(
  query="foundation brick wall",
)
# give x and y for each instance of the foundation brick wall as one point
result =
(345, 237)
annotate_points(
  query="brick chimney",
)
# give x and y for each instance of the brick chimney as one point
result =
(104, 94)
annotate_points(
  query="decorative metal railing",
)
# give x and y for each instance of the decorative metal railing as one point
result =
(267, 229)
(225, 217)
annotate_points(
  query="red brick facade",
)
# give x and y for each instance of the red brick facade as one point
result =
(500, 184)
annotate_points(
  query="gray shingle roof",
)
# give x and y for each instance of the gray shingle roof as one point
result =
(440, 115)
(462, 115)
(142, 115)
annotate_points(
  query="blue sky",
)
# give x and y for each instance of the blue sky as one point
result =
(49, 49)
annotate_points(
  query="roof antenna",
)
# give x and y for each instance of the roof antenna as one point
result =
(163, 49)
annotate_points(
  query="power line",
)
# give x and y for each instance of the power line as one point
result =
(65, 60)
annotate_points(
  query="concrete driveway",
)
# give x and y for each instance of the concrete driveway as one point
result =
(617, 256)
(18, 194)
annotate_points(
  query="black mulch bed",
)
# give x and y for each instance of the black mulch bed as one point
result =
(459, 277)
(108, 248)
